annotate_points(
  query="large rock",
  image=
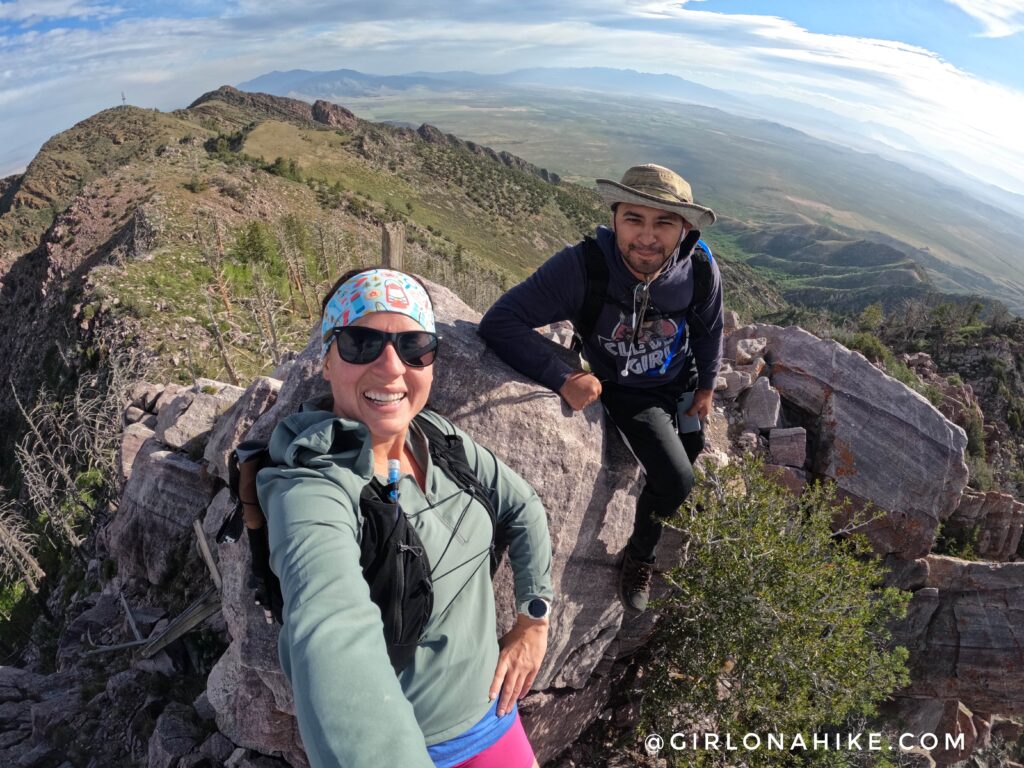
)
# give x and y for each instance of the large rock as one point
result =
(761, 406)
(132, 440)
(943, 721)
(164, 494)
(746, 350)
(881, 442)
(588, 491)
(997, 518)
(174, 735)
(736, 382)
(963, 630)
(185, 423)
(236, 421)
(788, 447)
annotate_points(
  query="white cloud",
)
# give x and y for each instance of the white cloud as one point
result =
(1000, 18)
(56, 77)
(32, 11)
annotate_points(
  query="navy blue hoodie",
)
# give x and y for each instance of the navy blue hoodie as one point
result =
(556, 292)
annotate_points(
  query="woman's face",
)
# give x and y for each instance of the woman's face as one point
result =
(367, 392)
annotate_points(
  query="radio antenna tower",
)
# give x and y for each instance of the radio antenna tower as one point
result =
(124, 101)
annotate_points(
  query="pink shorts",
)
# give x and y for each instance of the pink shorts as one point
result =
(512, 750)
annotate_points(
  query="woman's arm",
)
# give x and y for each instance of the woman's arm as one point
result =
(348, 702)
(523, 525)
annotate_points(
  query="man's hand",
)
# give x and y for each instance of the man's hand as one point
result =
(701, 403)
(522, 651)
(580, 390)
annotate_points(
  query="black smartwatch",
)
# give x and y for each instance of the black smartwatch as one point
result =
(538, 608)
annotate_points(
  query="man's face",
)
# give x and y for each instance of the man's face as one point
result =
(647, 236)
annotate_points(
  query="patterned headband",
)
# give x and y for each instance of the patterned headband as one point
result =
(376, 290)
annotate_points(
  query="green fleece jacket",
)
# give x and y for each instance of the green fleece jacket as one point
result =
(352, 709)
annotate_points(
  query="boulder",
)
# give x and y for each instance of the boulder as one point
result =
(532, 430)
(103, 614)
(185, 423)
(175, 734)
(144, 395)
(761, 406)
(236, 421)
(164, 494)
(745, 350)
(731, 320)
(736, 382)
(997, 518)
(925, 719)
(755, 368)
(132, 440)
(881, 442)
(788, 446)
(164, 396)
(133, 414)
(963, 631)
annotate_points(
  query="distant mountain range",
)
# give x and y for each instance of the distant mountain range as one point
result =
(342, 83)
(864, 136)
(965, 233)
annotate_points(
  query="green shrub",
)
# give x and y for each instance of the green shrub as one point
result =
(196, 185)
(871, 318)
(868, 344)
(981, 475)
(957, 543)
(774, 625)
(975, 429)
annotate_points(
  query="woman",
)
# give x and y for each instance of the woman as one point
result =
(454, 703)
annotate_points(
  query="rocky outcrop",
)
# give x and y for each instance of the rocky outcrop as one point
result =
(993, 521)
(788, 446)
(881, 442)
(231, 428)
(433, 135)
(963, 631)
(164, 494)
(185, 424)
(274, 107)
(333, 115)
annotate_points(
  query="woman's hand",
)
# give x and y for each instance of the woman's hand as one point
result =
(522, 651)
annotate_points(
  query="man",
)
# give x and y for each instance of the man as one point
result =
(646, 301)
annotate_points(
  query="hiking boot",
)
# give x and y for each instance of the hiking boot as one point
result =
(635, 584)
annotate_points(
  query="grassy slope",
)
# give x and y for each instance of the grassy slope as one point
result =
(73, 158)
(472, 222)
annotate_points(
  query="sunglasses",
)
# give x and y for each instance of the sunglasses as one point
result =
(359, 345)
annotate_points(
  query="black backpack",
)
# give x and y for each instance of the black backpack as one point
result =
(392, 556)
(596, 294)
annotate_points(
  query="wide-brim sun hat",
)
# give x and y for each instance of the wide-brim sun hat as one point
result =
(656, 187)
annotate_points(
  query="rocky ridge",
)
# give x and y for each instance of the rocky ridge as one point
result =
(800, 399)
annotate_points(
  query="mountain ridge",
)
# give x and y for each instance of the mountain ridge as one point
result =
(740, 171)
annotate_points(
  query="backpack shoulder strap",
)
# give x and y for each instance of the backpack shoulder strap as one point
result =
(702, 281)
(244, 463)
(449, 454)
(596, 290)
(702, 277)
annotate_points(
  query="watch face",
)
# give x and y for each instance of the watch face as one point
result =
(538, 608)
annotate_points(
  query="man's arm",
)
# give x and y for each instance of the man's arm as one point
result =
(553, 293)
(707, 347)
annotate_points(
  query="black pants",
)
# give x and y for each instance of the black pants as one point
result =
(646, 418)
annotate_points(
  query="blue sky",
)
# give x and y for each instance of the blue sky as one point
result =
(943, 78)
